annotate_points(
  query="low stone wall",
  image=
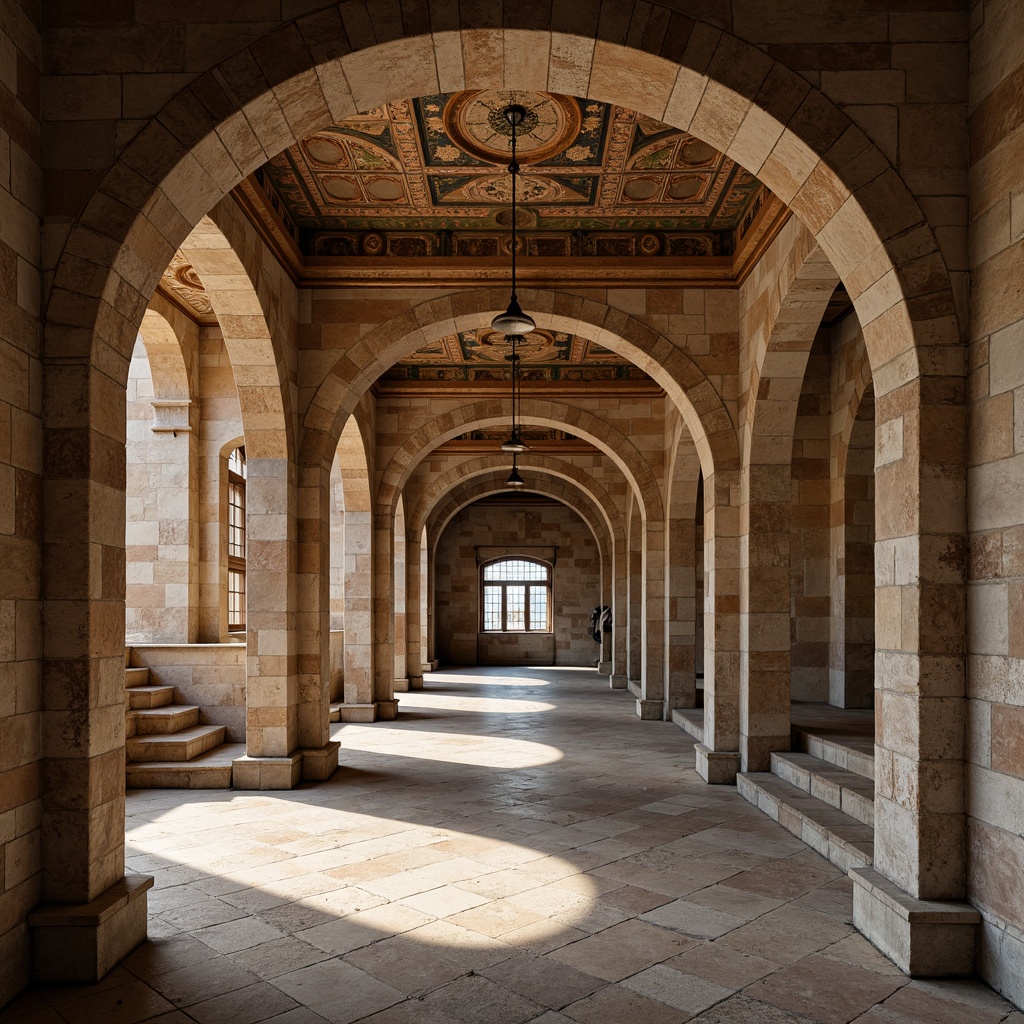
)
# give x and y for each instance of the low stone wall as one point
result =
(515, 649)
(211, 676)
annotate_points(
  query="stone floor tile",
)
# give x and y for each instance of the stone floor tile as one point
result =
(722, 965)
(827, 990)
(787, 878)
(614, 1004)
(741, 1009)
(693, 919)
(444, 901)
(622, 950)
(543, 936)
(683, 991)
(856, 950)
(158, 956)
(474, 950)
(394, 887)
(543, 980)
(300, 1015)
(202, 915)
(406, 965)
(496, 918)
(125, 1004)
(737, 902)
(338, 991)
(939, 1004)
(279, 956)
(412, 1011)
(235, 935)
(343, 935)
(478, 1000)
(787, 934)
(212, 977)
(247, 1005)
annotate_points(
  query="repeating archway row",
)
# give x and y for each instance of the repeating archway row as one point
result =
(296, 80)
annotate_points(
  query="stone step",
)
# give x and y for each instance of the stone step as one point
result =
(837, 787)
(136, 677)
(179, 746)
(849, 745)
(690, 720)
(336, 710)
(151, 696)
(170, 718)
(211, 770)
(843, 840)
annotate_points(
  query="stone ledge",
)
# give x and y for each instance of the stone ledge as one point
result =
(717, 767)
(387, 710)
(650, 710)
(604, 668)
(320, 763)
(358, 712)
(617, 682)
(267, 772)
(81, 942)
(401, 685)
(924, 938)
(634, 687)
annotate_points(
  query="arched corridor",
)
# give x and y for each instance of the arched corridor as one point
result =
(517, 847)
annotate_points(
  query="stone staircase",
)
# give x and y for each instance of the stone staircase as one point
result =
(823, 791)
(166, 746)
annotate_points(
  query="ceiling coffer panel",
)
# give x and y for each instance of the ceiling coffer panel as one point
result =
(429, 176)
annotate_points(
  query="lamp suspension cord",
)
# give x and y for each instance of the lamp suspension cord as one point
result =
(513, 167)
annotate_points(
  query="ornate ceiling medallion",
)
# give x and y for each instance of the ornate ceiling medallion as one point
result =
(476, 123)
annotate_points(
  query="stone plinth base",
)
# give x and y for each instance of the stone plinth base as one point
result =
(427, 666)
(387, 710)
(358, 712)
(415, 682)
(924, 938)
(267, 772)
(650, 710)
(604, 668)
(320, 763)
(401, 685)
(80, 943)
(617, 682)
(717, 767)
(408, 683)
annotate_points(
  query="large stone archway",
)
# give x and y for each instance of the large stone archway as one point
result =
(309, 72)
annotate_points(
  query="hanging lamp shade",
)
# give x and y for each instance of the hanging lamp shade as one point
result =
(514, 445)
(514, 479)
(513, 320)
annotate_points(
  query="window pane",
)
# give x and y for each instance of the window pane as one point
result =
(515, 570)
(515, 608)
(492, 607)
(236, 520)
(236, 598)
(538, 608)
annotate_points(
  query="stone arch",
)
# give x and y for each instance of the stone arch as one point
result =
(491, 480)
(782, 322)
(302, 75)
(496, 411)
(161, 482)
(680, 571)
(583, 483)
(362, 363)
(555, 475)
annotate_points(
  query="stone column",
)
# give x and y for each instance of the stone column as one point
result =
(358, 559)
(620, 616)
(903, 904)
(413, 610)
(272, 758)
(651, 703)
(680, 623)
(718, 757)
(765, 615)
(383, 617)
(92, 914)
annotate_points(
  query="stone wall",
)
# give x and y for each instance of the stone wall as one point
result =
(995, 637)
(538, 531)
(21, 468)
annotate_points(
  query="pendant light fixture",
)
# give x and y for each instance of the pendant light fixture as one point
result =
(514, 323)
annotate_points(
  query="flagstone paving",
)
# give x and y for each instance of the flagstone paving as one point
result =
(516, 847)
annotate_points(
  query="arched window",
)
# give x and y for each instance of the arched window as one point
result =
(516, 596)
(236, 540)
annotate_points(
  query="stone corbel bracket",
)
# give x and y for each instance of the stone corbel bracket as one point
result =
(171, 416)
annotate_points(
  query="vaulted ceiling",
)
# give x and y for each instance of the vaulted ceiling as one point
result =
(428, 177)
